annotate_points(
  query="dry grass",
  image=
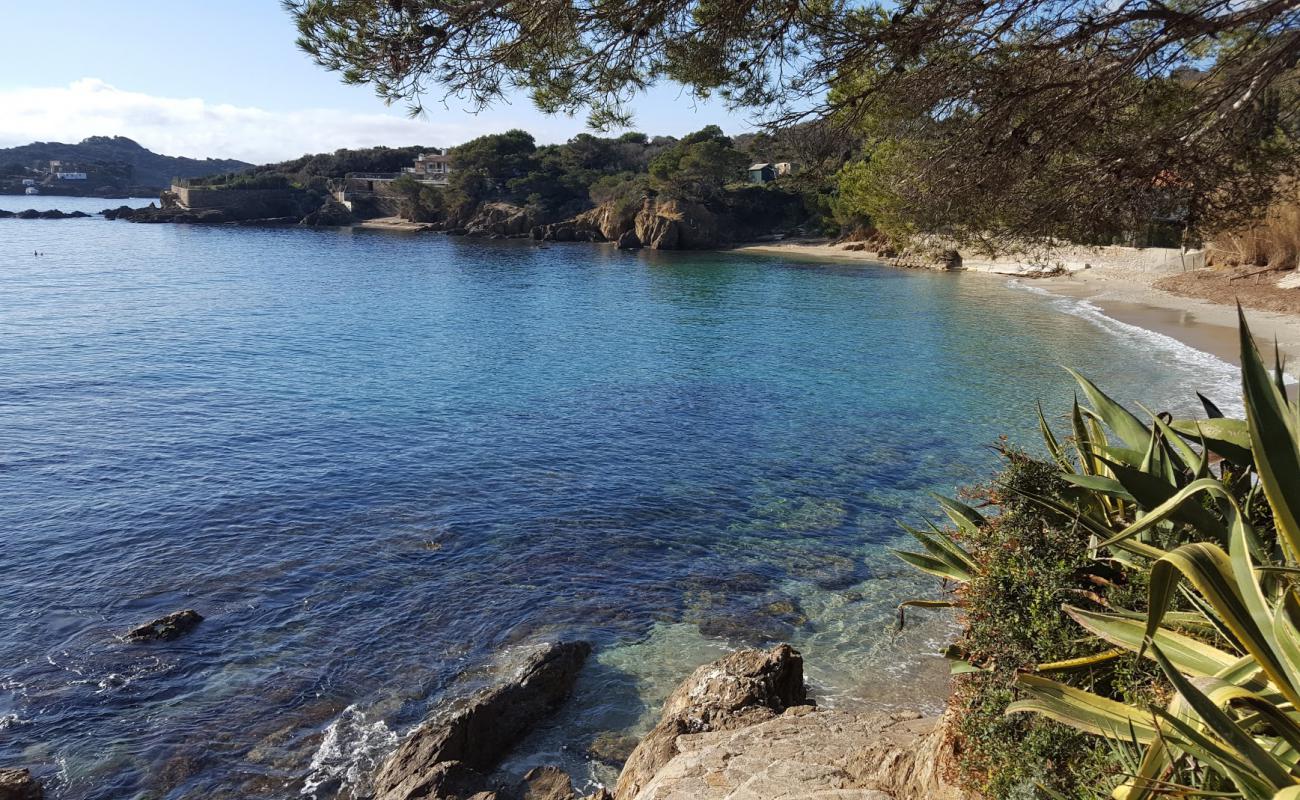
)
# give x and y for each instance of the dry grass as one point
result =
(1273, 242)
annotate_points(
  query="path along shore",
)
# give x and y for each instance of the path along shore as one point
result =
(1133, 286)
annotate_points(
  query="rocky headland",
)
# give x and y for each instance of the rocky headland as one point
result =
(741, 727)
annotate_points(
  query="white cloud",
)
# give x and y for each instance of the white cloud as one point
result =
(193, 127)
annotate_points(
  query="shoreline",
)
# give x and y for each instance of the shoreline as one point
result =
(1120, 292)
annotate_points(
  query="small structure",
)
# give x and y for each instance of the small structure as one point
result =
(431, 167)
(29, 181)
(31, 190)
(70, 176)
(762, 173)
(786, 168)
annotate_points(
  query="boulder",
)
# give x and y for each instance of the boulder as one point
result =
(477, 731)
(629, 241)
(18, 784)
(741, 689)
(30, 213)
(165, 629)
(808, 752)
(677, 225)
(6, 214)
(331, 214)
(546, 783)
(503, 219)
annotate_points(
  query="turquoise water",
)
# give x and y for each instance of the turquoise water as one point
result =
(373, 461)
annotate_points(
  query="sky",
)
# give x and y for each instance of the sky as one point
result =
(225, 80)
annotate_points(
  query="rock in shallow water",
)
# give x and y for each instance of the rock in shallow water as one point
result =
(744, 688)
(18, 784)
(165, 629)
(445, 756)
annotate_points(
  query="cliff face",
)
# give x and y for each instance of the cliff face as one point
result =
(677, 224)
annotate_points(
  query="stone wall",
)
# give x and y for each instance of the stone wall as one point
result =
(197, 197)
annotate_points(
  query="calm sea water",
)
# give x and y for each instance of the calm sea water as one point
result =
(375, 461)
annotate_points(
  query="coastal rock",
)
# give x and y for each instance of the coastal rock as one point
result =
(808, 752)
(331, 214)
(741, 689)
(165, 629)
(6, 214)
(629, 241)
(611, 747)
(477, 731)
(546, 783)
(18, 784)
(677, 225)
(499, 219)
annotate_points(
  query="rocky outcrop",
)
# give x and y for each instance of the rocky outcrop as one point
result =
(447, 756)
(165, 629)
(807, 753)
(629, 241)
(546, 783)
(499, 219)
(52, 213)
(677, 225)
(18, 784)
(742, 689)
(743, 728)
(331, 214)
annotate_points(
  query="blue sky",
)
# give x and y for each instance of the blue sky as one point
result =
(224, 79)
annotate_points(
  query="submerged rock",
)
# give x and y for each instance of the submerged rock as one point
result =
(18, 784)
(476, 732)
(165, 629)
(546, 783)
(744, 688)
(611, 747)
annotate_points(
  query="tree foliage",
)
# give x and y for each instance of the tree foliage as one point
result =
(1138, 106)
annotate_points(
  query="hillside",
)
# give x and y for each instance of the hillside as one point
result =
(114, 165)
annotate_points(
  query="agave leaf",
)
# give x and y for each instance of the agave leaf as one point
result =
(1273, 442)
(1191, 460)
(1093, 527)
(1210, 571)
(1080, 663)
(1211, 410)
(1189, 655)
(1211, 751)
(1082, 710)
(1101, 484)
(1230, 438)
(1124, 455)
(1151, 491)
(1082, 439)
(933, 566)
(1127, 427)
(1226, 728)
(962, 515)
(1053, 446)
(941, 546)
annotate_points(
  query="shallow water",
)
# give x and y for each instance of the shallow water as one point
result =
(375, 460)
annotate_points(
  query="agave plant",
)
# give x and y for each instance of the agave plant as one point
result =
(1209, 510)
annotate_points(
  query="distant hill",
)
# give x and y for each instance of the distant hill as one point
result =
(113, 165)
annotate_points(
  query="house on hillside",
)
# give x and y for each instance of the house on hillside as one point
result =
(430, 168)
(762, 173)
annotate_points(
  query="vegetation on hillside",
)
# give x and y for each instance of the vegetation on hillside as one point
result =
(1090, 120)
(112, 163)
(1132, 609)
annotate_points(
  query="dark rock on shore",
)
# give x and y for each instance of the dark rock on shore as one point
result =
(53, 213)
(744, 688)
(18, 784)
(443, 756)
(331, 214)
(629, 241)
(165, 629)
(546, 783)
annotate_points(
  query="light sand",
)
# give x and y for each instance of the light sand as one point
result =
(392, 224)
(1118, 283)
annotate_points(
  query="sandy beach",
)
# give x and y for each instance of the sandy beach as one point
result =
(1122, 286)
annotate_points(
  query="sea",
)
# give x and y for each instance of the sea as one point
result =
(380, 463)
